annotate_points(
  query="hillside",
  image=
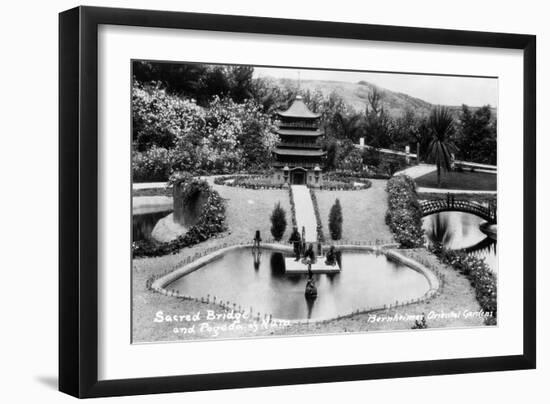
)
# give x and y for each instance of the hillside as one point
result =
(356, 95)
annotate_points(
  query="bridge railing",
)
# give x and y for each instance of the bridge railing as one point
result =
(487, 211)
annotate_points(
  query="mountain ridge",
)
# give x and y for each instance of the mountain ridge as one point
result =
(356, 95)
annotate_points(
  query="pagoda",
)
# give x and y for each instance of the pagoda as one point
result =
(298, 157)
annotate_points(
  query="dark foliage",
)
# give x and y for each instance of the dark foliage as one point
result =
(335, 220)
(404, 215)
(441, 147)
(477, 135)
(198, 81)
(278, 222)
(478, 272)
(320, 232)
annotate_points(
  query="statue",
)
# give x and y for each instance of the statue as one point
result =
(331, 256)
(311, 289)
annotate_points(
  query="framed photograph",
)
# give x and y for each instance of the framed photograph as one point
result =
(250, 201)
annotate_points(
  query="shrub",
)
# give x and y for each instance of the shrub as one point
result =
(278, 222)
(159, 118)
(152, 165)
(320, 233)
(353, 161)
(335, 220)
(478, 273)
(371, 157)
(404, 215)
(361, 176)
(292, 207)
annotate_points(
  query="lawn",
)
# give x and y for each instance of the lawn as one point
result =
(471, 181)
(246, 211)
(249, 210)
(363, 212)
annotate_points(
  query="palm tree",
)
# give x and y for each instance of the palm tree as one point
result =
(441, 147)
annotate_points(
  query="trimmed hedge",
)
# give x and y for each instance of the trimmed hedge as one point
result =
(335, 220)
(292, 207)
(210, 222)
(278, 222)
(341, 175)
(320, 232)
(478, 273)
(404, 215)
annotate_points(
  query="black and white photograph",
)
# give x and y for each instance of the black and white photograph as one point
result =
(275, 202)
(281, 201)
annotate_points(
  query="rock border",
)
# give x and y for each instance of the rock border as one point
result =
(159, 285)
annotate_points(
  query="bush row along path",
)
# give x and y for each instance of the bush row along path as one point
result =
(305, 213)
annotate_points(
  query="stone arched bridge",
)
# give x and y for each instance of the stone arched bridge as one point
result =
(487, 211)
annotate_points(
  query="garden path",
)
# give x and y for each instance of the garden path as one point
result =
(148, 185)
(454, 191)
(305, 213)
(417, 171)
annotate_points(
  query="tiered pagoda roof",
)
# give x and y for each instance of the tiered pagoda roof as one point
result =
(298, 129)
(298, 109)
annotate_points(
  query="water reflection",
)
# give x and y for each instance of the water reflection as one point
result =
(458, 230)
(258, 280)
(143, 225)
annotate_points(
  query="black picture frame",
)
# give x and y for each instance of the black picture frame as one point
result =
(78, 201)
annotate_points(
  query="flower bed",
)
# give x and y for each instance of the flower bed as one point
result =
(292, 207)
(320, 233)
(210, 222)
(404, 215)
(248, 181)
(344, 180)
(478, 273)
(360, 176)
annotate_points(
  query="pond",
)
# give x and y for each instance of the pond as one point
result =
(259, 281)
(458, 230)
(143, 224)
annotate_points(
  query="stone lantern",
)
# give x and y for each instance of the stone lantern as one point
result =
(317, 173)
(286, 171)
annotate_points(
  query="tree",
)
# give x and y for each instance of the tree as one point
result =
(197, 81)
(331, 147)
(178, 78)
(347, 126)
(477, 135)
(353, 161)
(377, 122)
(422, 137)
(241, 82)
(405, 130)
(278, 222)
(441, 148)
(335, 220)
(158, 117)
(344, 149)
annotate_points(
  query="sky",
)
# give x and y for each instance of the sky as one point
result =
(444, 90)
